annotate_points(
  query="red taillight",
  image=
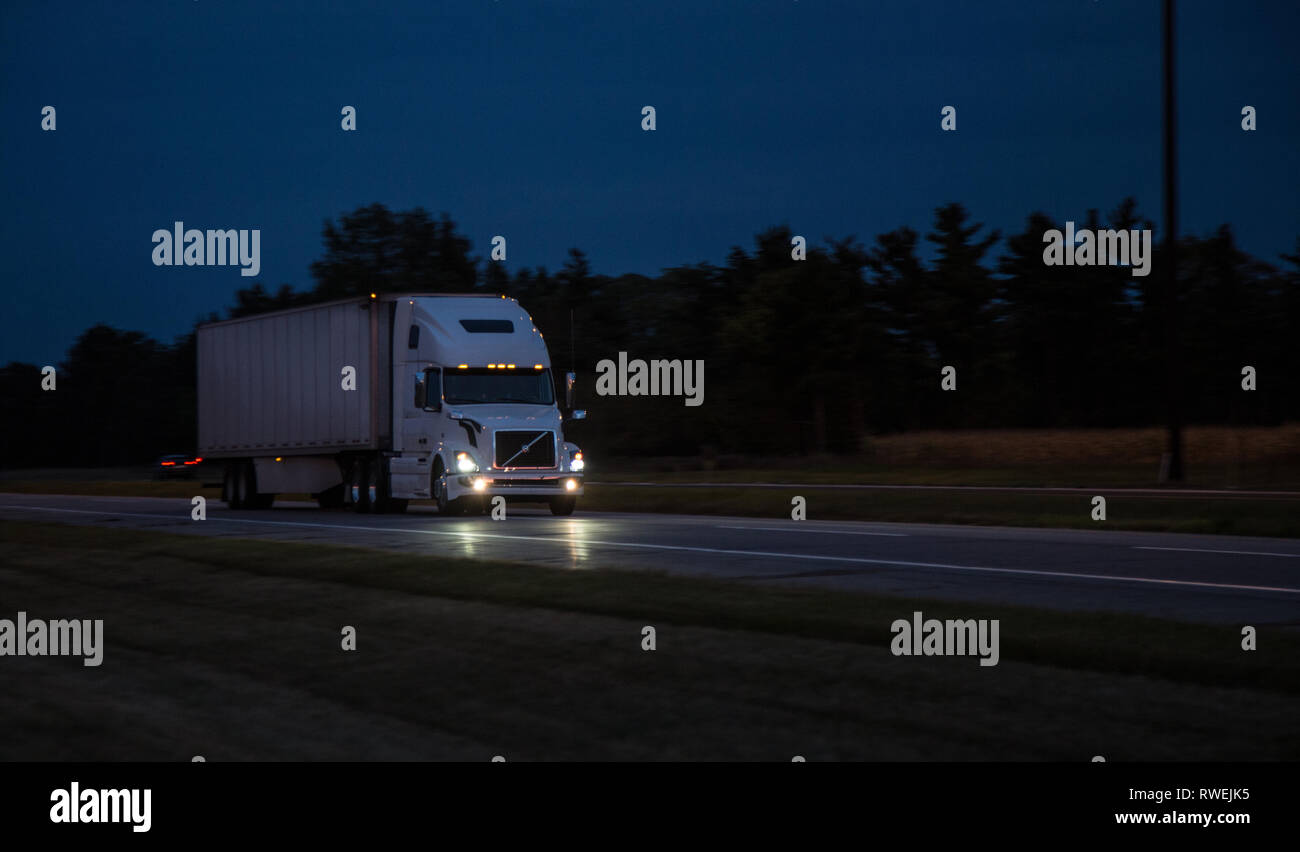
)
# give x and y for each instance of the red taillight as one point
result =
(199, 459)
(168, 464)
(192, 462)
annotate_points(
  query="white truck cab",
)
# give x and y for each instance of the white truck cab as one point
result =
(476, 401)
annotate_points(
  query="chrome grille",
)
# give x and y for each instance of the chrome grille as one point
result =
(507, 445)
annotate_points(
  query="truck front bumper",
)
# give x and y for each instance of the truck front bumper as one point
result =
(529, 485)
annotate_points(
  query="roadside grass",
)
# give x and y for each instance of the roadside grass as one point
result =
(1215, 515)
(1246, 457)
(230, 648)
(1262, 476)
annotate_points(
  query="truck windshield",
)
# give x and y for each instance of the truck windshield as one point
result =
(468, 387)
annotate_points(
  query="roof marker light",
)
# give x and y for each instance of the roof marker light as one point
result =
(512, 366)
(462, 366)
(537, 366)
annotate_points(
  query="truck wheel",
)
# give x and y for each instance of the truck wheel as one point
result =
(439, 488)
(377, 486)
(563, 506)
(360, 486)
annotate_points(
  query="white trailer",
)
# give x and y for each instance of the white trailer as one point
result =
(375, 402)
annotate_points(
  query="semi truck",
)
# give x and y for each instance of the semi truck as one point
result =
(370, 403)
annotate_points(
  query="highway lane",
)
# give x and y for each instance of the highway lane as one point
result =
(1224, 579)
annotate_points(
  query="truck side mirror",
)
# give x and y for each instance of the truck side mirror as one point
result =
(432, 389)
(569, 379)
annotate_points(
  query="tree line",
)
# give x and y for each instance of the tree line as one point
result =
(801, 356)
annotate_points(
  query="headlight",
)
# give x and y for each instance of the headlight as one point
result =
(576, 463)
(465, 463)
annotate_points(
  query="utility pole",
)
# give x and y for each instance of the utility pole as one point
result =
(1173, 470)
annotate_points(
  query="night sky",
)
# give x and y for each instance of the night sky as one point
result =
(524, 119)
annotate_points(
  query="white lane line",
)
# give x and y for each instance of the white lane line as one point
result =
(570, 542)
(811, 529)
(1236, 552)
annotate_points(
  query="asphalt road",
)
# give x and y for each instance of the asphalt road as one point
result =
(1225, 579)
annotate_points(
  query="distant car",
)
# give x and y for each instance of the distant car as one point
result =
(176, 467)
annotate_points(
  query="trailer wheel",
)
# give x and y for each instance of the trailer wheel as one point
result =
(563, 506)
(360, 486)
(244, 493)
(377, 486)
(230, 490)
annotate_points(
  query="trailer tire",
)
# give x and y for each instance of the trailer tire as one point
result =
(377, 486)
(359, 485)
(244, 493)
(230, 490)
